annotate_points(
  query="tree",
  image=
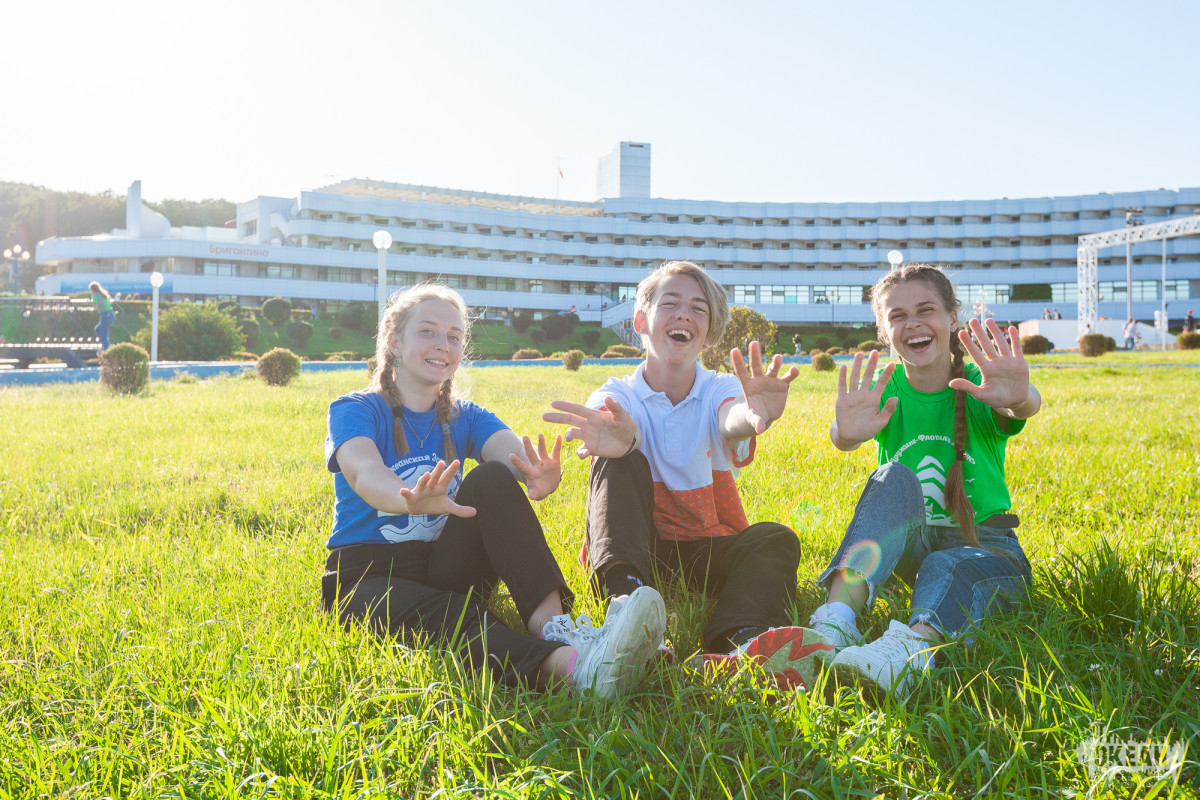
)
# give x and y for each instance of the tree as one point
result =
(554, 326)
(194, 332)
(521, 321)
(745, 325)
(277, 310)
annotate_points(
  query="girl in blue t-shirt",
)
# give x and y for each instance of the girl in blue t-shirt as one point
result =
(417, 548)
(940, 429)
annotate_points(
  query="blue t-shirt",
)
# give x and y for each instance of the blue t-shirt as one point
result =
(368, 414)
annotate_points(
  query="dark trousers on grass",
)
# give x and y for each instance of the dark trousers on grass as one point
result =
(441, 588)
(752, 574)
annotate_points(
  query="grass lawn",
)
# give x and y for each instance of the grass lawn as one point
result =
(162, 633)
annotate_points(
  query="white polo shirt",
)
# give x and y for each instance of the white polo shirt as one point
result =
(692, 464)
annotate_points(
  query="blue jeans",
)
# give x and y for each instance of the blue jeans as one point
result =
(953, 584)
(107, 318)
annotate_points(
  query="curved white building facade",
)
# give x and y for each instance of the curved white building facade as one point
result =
(797, 263)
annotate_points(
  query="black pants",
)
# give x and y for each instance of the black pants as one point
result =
(442, 587)
(751, 574)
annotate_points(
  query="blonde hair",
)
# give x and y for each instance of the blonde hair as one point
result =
(714, 294)
(957, 502)
(383, 377)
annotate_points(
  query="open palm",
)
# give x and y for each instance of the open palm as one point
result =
(857, 411)
(766, 391)
(1002, 367)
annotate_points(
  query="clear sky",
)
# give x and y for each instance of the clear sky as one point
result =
(758, 101)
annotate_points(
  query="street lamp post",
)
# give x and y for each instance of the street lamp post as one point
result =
(15, 256)
(156, 282)
(1130, 220)
(895, 258)
(382, 241)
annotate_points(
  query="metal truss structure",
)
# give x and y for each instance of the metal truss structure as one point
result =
(1090, 243)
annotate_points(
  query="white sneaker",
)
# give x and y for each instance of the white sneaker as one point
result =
(888, 664)
(840, 632)
(613, 657)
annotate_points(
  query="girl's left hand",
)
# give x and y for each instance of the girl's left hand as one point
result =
(766, 392)
(541, 470)
(1003, 369)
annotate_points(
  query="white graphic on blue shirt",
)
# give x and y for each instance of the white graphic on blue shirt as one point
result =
(416, 527)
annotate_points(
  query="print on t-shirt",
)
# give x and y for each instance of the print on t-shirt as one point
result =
(931, 472)
(417, 527)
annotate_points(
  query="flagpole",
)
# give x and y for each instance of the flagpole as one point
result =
(558, 182)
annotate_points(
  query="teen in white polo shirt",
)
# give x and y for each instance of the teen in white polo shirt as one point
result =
(665, 444)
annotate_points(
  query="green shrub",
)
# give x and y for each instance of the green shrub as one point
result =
(244, 355)
(277, 367)
(251, 329)
(125, 368)
(869, 345)
(573, 359)
(1036, 345)
(1188, 341)
(526, 352)
(521, 321)
(816, 351)
(300, 332)
(276, 311)
(230, 307)
(1110, 344)
(1092, 345)
(302, 314)
(745, 325)
(335, 333)
(591, 338)
(538, 336)
(621, 351)
(194, 332)
(570, 320)
(836, 351)
(822, 343)
(353, 316)
(822, 362)
(554, 326)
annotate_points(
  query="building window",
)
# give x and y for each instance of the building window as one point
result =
(744, 295)
(250, 227)
(535, 287)
(784, 295)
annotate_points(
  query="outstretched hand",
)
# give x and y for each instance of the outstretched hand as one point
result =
(608, 432)
(766, 392)
(540, 470)
(429, 495)
(857, 413)
(1002, 367)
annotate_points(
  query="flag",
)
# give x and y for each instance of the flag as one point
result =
(560, 175)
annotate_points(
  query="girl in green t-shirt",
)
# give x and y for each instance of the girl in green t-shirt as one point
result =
(103, 303)
(935, 512)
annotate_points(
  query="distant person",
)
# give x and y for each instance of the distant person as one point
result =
(796, 343)
(1046, 314)
(1056, 314)
(103, 303)
(1132, 334)
(1189, 323)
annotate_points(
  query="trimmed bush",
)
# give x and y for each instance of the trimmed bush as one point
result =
(816, 351)
(244, 355)
(822, 362)
(300, 332)
(869, 345)
(527, 352)
(1036, 345)
(276, 311)
(521, 321)
(822, 343)
(591, 338)
(194, 332)
(570, 320)
(251, 330)
(125, 368)
(538, 336)
(302, 314)
(745, 325)
(1110, 344)
(573, 359)
(353, 316)
(335, 333)
(277, 367)
(836, 351)
(555, 326)
(621, 351)
(1092, 345)
(1188, 341)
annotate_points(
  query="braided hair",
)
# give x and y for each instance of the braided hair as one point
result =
(957, 502)
(383, 375)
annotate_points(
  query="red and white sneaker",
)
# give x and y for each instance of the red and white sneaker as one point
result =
(791, 657)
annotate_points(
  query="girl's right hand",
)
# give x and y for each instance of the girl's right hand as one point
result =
(429, 495)
(857, 413)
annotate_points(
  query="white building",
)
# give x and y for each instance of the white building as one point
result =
(794, 262)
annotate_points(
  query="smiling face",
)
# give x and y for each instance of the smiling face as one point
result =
(429, 346)
(675, 327)
(916, 323)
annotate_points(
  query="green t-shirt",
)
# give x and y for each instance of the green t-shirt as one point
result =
(920, 435)
(101, 302)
